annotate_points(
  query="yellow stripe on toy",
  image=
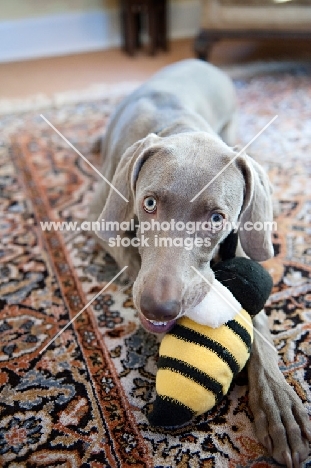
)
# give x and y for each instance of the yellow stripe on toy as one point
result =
(180, 387)
(196, 367)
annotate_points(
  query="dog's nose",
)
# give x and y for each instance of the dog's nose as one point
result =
(163, 311)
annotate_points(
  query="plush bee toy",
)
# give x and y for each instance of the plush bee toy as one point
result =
(202, 353)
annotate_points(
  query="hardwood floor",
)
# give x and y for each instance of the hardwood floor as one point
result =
(75, 72)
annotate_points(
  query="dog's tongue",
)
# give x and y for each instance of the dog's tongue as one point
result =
(156, 327)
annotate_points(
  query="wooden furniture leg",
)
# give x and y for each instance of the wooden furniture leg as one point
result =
(203, 44)
(131, 16)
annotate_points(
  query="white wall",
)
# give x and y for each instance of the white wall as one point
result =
(38, 28)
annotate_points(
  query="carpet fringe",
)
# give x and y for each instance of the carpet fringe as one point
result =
(101, 90)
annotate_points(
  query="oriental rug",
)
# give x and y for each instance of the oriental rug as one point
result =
(83, 401)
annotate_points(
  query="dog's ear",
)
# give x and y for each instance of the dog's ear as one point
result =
(256, 239)
(117, 209)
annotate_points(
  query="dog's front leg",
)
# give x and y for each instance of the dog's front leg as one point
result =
(281, 421)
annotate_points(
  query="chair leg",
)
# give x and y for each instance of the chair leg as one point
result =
(138, 21)
(203, 45)
(162, 25)
(130, 28)
(132, 31)
(152, 26)
(131, 13)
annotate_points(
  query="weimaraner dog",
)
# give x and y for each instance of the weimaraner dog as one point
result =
(165, 143)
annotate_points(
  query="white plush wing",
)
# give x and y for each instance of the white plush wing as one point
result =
(218, 307)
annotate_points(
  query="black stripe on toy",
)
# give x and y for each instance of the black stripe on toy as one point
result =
(241, 332)
(168, 412)
(192, 336)
(192, 373)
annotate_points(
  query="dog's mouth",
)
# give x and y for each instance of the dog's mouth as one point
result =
(155, 326)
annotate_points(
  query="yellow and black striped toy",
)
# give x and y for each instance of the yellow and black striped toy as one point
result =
(197, 362)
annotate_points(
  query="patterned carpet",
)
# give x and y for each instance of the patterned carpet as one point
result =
(83, 401)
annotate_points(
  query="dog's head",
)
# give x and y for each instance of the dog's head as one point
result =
(187, 191)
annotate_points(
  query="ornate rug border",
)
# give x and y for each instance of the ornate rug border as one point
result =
(98, 363)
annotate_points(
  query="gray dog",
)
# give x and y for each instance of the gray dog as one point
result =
(165, 143)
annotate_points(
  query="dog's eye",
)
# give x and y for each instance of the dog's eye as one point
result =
(150, 204)
(217, 220)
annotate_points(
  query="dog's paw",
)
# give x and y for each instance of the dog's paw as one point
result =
(281, 421)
